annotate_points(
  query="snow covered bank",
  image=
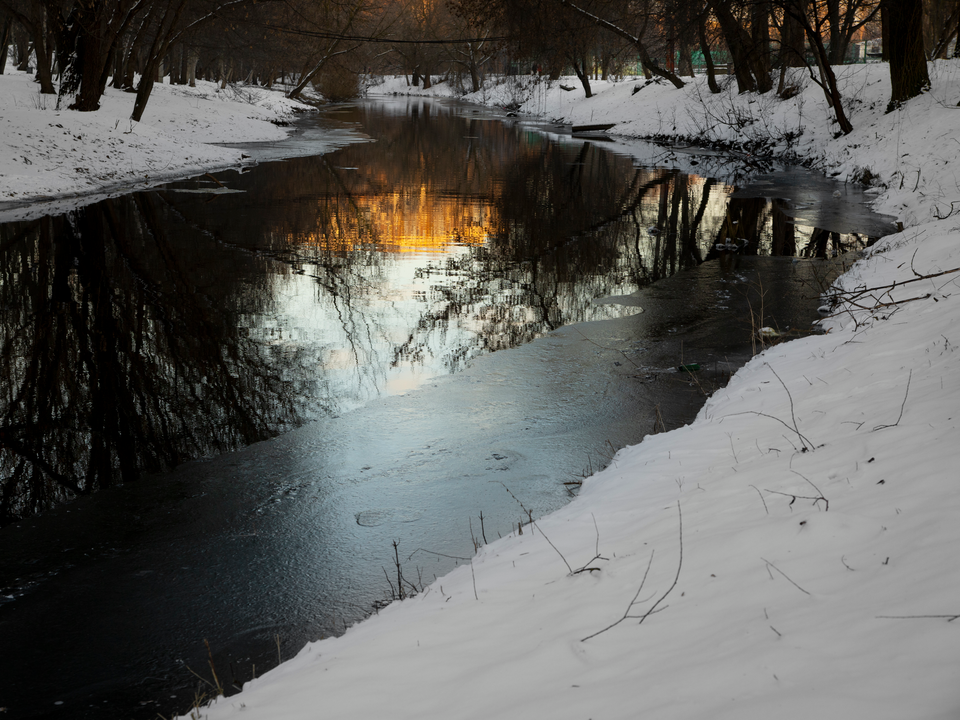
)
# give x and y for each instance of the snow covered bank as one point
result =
(790, 554)
(48, 154)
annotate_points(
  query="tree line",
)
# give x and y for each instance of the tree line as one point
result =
(78, 47)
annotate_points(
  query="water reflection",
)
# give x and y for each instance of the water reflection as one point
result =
(122, 349)
(144, 330)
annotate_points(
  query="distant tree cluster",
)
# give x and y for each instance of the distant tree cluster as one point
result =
(77, 47)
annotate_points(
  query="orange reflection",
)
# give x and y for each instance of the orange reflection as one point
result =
(399, 222)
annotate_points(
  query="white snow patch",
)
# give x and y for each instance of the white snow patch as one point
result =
(48, 154)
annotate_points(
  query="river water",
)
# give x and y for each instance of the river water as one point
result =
(271, 377)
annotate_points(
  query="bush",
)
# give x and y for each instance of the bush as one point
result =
(338, 84)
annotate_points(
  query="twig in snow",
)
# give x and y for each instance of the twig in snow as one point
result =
(431, 552)
(771, 565)
(803, 439)
(950, 618)
(912, 269)
(732, 449)
(793, 416)
(761, 498)
(534, 524)
(597, 556)
(569, 569)
(902, 405)
(633, 601)
(793, 497)
(822, 497)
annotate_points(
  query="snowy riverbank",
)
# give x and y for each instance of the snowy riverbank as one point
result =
(814, 567)
(790, 553)
(47, 155)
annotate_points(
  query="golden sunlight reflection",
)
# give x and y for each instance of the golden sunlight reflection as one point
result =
(403, 222)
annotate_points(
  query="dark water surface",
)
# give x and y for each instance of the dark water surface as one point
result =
(346, 306)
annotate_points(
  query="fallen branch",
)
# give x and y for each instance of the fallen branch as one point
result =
(851, 295)
(633, 601)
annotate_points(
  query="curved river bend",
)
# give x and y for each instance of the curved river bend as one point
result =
(310, 346)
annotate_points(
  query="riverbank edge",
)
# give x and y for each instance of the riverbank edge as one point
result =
(794, 521)
(53, 160)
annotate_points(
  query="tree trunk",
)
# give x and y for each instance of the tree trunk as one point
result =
(5, 43)
(760, 52)
(580, 68)
(43, 50)
(737, 41)
(153, 69)
(685, 67)
(474, 71)
(908, 62)
(129, 70)
(119, 61)
(956, 33)
(21, 43)
(884, 34)
(181, 65)
(707, 57)
(792, 50)
(226, 74)
(833, 22)
(947, 34)
(193, 57)
(830, 88)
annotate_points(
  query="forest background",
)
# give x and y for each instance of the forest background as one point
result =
(77, 47)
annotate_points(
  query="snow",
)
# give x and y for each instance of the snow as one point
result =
(48, 154)
(808, 515)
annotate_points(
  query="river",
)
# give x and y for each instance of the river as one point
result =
(271, 377)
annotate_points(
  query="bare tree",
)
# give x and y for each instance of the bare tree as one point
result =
(825, 76)
(42, 20)
(644, 19)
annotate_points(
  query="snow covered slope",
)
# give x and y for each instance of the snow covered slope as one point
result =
(47, 154)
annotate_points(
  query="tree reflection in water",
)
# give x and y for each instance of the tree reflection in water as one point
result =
(122, 350)
(157, 327)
